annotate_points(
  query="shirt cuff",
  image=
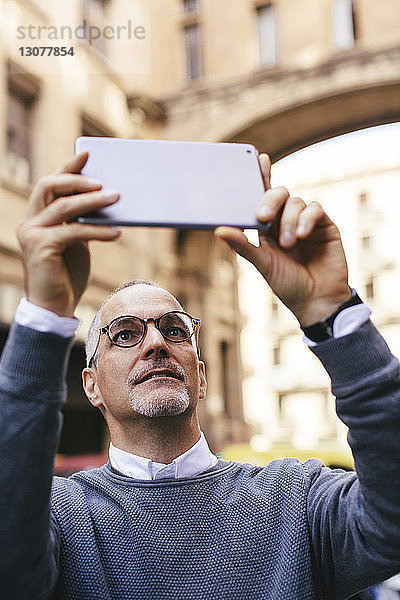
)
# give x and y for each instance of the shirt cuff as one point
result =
(41, 319)
(347, 321)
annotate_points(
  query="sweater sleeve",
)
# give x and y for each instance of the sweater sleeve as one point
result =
(32, 390)
(355, 518)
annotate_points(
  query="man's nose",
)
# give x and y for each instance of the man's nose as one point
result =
(153, 343)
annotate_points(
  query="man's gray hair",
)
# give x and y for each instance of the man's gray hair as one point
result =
(94, 327)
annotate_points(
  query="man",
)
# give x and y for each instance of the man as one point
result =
(164, 518)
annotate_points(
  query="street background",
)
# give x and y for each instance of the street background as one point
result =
(283, 75)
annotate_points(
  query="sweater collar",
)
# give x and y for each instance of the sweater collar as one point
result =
(194, 461)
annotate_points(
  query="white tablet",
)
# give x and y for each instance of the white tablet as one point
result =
(163, 183)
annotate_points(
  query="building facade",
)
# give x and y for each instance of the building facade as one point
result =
(278, 74)
(46, 102)
(356, 178)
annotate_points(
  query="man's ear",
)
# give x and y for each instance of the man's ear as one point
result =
(203, 380)
(89, 382)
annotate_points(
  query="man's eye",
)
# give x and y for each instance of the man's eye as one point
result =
(123, 336)
(173, 331)
(177, 332)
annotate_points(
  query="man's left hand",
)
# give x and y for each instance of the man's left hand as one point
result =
(301, 257)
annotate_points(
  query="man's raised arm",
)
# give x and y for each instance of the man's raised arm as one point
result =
(354, 521)
(32, 374)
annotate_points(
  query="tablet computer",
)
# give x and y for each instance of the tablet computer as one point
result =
(186, 185)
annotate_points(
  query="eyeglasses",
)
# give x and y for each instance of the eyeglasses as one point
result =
(127, 331)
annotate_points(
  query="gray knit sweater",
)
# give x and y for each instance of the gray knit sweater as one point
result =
(283, 532)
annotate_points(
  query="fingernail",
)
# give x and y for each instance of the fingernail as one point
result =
(300, 230)
(90, 181)
(111, 194)
(265, 211)
(287, 237)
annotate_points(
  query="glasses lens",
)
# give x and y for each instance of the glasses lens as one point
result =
(176, 327)
(126, 331)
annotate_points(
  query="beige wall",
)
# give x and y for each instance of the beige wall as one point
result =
(305, 37)
(379, 23)
(234, 99)
(98, 88)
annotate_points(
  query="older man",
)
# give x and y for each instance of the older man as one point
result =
(165, 519)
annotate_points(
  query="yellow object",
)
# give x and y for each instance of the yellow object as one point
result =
(330, 456)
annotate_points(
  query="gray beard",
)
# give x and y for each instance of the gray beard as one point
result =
(161, 406)
(160, 402)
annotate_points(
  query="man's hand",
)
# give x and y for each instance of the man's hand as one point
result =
(301, 257)
(54, 248)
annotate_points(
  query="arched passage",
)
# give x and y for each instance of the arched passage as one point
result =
(295, 128)
(283, 110)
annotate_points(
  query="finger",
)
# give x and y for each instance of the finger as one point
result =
(265, 167)
(76, 164)
(66, 184)
(309, 218)
(66, 208)
(289, 219)
(48, 188)
(67, 233)
(238, 242)
(271, 203)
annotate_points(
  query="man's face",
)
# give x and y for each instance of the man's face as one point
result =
(154, 378)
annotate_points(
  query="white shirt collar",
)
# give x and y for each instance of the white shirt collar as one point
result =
(194, 461)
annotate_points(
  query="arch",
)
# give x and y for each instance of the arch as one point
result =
(283, 110)
(285, 132)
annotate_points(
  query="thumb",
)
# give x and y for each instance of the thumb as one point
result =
(76, 164)
(237, 240)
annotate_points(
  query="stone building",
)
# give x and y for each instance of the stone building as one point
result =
(357, 180)
(279, 74)
(47, 102)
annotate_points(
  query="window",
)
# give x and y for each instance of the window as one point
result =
(276, 354)
(274, 305)
(363, 199)
(345, 24)
(224, 353)
(193, 52)
(23, 90)
(366, 242)
(267, 35)
(18, 144)
(181, 241)
(369, 289)
(191, 6)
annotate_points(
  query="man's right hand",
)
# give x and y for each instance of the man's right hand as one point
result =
(54, 248)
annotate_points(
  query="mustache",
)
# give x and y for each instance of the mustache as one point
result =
(158, 363)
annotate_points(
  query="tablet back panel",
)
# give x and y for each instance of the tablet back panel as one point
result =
(175, 184)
